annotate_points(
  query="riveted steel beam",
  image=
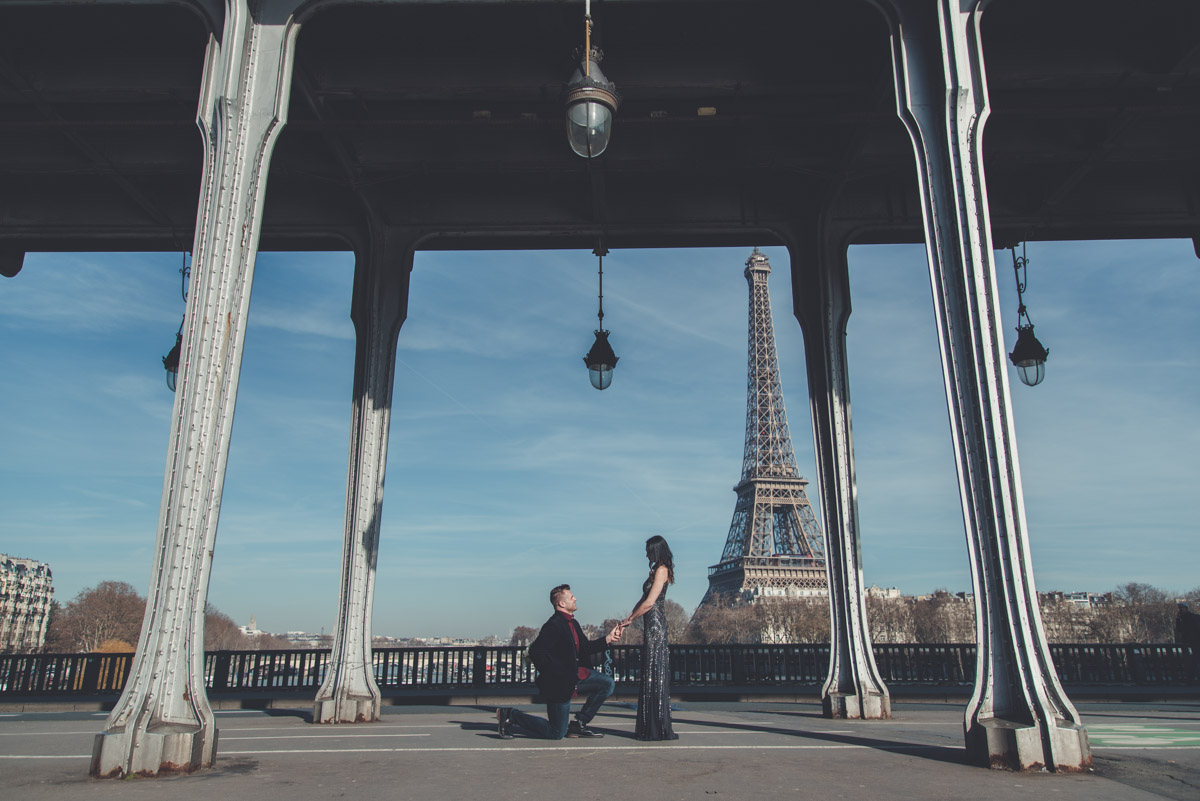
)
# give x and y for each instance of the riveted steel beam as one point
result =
(163, 722)
(348, 693)
(821, 299)
(1019, 717)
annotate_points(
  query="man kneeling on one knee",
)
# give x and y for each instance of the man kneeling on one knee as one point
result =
(559, 653)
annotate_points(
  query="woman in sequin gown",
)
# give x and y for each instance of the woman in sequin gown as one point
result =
(654, 698)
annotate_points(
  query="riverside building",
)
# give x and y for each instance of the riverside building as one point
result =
(26, 590)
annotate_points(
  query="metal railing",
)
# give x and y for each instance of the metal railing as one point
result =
(399, 670)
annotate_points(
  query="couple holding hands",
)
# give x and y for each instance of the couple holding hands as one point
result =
(561, 653)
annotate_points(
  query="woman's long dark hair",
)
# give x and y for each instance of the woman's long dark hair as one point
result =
(659, 553)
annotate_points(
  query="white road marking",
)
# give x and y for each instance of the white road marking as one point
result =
(45, 756)
(642, 747)
(593, 749)
(326, 736)
(332, 727)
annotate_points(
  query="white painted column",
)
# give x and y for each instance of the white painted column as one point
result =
(1019, 717)
(348, 693)
(163, 722)
(821, 301)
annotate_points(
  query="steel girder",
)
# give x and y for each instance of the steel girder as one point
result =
(163, 722)
(821, 298)
(1018, 717)
(349, 693)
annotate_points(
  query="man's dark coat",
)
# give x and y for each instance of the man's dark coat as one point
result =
(553, 654)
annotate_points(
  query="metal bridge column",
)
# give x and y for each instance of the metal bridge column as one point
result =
(1019, 717)
(349, 693)
(163, 722)
(821, 300)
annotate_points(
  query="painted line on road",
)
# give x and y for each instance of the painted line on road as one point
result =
(592, 749)
(326, 736)
(43, 733)
(329, 732)
(337, 727)
(525, 749)
(45, 756)
(1146, 747)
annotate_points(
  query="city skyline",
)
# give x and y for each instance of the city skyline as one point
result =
(507, 473)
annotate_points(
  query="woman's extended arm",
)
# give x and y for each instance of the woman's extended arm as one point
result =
(647, 602)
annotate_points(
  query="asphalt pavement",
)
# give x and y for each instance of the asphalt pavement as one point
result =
(748, 750)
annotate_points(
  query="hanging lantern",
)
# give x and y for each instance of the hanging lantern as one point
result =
(591, 100)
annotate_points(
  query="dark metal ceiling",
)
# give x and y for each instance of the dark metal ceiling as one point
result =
(447, 117)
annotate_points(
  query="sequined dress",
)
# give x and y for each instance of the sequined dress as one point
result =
(654, 699)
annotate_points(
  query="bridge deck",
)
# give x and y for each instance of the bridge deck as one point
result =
(749, 750)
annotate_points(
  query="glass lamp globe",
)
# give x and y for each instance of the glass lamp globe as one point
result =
(1029, 357)
(589, 125)
(600, 361)
(171, 362)
(591, 101)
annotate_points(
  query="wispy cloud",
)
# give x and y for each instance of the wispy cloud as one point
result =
(507, 471)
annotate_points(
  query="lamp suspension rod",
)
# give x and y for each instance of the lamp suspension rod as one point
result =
(587, 39)
(184, 270)
(1020, 270)
(600, 259)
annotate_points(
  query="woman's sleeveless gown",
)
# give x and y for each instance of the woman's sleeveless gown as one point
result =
(654, 699)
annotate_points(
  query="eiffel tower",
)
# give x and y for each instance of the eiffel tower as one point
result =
(775, 547)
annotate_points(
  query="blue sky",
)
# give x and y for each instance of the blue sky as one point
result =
(508, 474)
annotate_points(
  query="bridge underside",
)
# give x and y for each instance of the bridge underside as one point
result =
(393, 127)
(429, 115)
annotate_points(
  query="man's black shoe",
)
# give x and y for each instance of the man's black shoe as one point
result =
(504, 722)
(577, 729)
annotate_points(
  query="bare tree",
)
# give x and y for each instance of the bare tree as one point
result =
(712, 623)
(58, 640)
(724, 622)
(269, 642)
(1065, 621)
(679, 628)
(1151, 612)
(943, 618)
(591, 631)
(112, 610)
(522, 636)
(221, 633)
(786, 620)
(890, 619)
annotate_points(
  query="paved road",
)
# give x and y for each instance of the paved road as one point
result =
(726, 750)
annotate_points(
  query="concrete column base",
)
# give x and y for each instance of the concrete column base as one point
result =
(868, 706)
(348, 709)
(161, 750)
(1010, 745)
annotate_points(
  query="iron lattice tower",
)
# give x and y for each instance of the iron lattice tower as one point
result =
(775, 546)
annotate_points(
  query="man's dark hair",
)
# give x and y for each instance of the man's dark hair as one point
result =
(557, 591)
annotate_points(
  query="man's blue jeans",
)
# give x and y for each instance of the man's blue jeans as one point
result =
(597, 686)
